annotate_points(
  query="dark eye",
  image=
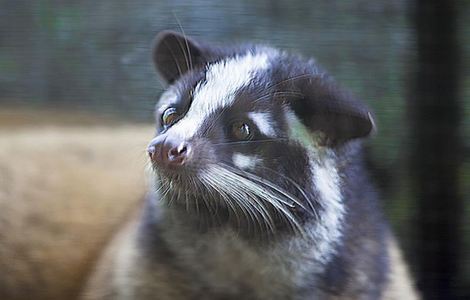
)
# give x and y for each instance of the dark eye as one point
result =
(169, 116)
(241, 131)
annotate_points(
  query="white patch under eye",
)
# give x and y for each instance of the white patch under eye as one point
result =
(223, 80)
(245, 162)
(263, 121)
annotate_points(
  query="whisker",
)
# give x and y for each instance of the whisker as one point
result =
(250, 205)
(262, 193)
(246, 195)
(296, 185)
(250, 142)
(262, 97)
(188, 53)
(214, 185)
(174, 58)
(269, 184)
(207, 204)
(289, 79)
(243, 203)
(288, 93)
(214, 122)
(277, 93)
(165, 194)
(239, 193)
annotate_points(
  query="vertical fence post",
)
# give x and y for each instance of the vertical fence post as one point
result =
(435, 148)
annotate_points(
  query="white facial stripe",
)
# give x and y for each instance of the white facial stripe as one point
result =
(263, 121)
(245, 162)
(223, 80)
(327, 231)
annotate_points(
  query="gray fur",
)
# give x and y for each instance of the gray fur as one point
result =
(300, 220)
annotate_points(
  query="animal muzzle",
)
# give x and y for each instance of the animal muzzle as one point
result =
(169, 152)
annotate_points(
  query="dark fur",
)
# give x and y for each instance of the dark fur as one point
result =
(184, 241)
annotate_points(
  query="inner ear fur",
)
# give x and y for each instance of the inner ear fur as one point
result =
(326, 108)
(174, 54)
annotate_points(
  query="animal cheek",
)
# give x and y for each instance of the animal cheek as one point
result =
(246, 162)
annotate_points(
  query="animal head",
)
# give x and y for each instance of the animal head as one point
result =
(250, 133)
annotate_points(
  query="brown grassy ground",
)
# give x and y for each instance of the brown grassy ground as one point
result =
(64, 187)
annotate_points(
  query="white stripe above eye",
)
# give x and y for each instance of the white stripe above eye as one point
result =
(218, 90)
(264, 122)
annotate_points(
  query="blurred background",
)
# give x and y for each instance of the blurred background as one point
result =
(409, 60)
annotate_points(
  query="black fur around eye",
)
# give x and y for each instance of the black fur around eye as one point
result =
(169, 116)
(241, 131)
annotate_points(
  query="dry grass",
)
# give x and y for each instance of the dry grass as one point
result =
(63, 190)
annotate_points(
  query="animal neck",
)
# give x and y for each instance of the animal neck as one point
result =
(225, 260)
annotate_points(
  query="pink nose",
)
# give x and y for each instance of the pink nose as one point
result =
(168, 152)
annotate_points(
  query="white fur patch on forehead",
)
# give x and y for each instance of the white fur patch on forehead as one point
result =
(264, 122)
(245, 162)
(224, 79)
(218, 90)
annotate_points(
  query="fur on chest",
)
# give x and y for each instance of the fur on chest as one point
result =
(223, 264)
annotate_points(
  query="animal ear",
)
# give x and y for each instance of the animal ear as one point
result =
(324, 107)
(175, 54)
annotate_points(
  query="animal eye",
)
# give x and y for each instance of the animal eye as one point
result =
(241, 131)
(169, 116)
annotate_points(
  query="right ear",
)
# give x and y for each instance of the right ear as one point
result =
(326, 108)
(175, 54)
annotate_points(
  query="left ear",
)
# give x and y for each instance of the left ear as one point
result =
(324, 107)
(174, 54)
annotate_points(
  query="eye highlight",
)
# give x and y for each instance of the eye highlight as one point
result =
(241, 131)
(169, 116)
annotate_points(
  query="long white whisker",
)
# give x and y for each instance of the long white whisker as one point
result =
(269, 184)
(207, 204)
(190, 66)
(289, 79)
(240, 201)
(223, 195)
(262, 193)
(297, 186)
(243, 197)
(250, 142)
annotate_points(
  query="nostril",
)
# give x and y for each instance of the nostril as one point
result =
(182, 148)
(177, 154)
(173, 153)
(165, 151)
